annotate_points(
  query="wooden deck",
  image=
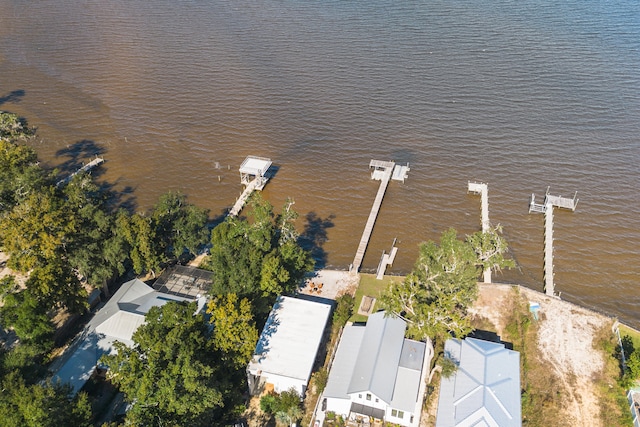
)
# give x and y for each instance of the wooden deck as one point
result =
(86, 168)
(383, 172)
(547, 209)
(242, 200)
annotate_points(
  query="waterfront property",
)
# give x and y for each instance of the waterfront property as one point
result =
(286, 351)
(254, 174)
(116, 321)
(384, 172)
(377, 373)
(485, 388)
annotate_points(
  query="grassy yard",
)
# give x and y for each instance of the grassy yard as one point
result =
(370, 286)
(631, 333)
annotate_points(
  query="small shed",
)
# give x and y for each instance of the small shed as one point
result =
(255, 168)
(287, 348)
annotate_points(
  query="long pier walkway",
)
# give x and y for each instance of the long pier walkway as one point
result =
(382, 171)
(250, 188)
(547, 209)
(92, 164)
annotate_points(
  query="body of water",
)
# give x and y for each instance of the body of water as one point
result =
(522, 95)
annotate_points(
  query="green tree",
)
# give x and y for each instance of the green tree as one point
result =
(258, 256)
(28, 316)
(90, 247)
(633, 365)
(49, 287)
(179, 225)
(234, 330)
(344, 310)
(170, 374)
(434, 297)
(20, 174)
(490, 248)
(13, 128)
(35, 231)
(41, 405)
(138, 232)
(286, 406)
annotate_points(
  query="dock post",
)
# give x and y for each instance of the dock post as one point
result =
(549, 287)
(547, 208)
(483, 189)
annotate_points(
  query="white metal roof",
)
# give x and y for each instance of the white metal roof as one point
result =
(255, 165)
(116, 321)
(376, 358)
(344, 362)
(485, 389)
(290, 339)
(379, 356)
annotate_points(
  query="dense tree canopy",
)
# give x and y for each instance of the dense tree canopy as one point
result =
(234, 330)
(258, 257)
(41, 405)
(59, 235)
(435, 296)
(171, 375)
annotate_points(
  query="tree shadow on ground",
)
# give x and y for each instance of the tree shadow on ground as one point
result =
(314, 236)
(13, 96)
(78, 154)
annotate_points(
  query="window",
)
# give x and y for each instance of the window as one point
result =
(377, 400)
(397, 414)
(368, 396)
(360, 396)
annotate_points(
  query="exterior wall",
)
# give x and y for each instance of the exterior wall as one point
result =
(282, 383)
(339, 406)
(404, 421)
(362, 398)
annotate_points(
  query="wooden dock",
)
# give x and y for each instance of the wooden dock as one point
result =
(86, 168)
(254, 174)
(382, 171)
(547, 209)
(242, 200)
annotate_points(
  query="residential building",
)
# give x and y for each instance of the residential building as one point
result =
(116, 321)
(485, 388)
(286, 351)
(377, 373)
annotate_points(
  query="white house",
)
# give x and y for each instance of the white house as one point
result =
(484, 390)
(376, 373)
(116, 321)
(287, 348)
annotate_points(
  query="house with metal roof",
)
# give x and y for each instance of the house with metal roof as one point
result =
(286, 351)
(484, 390)
(377, 373)
(116, 321)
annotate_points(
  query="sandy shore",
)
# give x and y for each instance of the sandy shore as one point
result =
(565, 341)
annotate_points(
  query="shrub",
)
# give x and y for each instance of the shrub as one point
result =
(344, 310)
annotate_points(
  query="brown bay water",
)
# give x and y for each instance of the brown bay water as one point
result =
(520, 95)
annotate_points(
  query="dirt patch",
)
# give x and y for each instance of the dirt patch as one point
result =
(565, 340)
(330, 284)
(565, 346)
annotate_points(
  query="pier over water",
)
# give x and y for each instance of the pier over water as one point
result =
(547, 209)
(254, 176)
(383, 172)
